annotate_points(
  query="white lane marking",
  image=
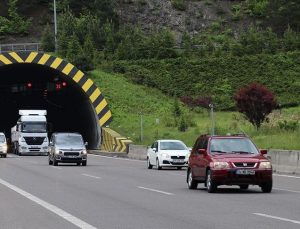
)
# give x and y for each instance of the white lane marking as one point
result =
(117, 158)
(287, 190)
(87, 175)
(279, 218)
(154, 190)
(277, 175)
(61, 213)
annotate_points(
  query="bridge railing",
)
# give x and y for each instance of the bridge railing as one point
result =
(20, 47)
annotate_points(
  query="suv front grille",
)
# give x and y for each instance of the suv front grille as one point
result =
(245, 164)
(71, 153)
(34, 140)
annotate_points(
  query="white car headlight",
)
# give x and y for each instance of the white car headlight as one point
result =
(265, 165)
(165, 155)
(220, 165)
(56, 151)
(84, 151)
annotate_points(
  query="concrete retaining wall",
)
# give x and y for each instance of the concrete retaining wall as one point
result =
(285, 161)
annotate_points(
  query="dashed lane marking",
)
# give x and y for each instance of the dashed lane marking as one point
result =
(278, 218)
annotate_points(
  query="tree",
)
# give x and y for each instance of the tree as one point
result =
(255, 101)
(48, 39)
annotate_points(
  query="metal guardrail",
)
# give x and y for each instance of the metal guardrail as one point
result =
(20, 47)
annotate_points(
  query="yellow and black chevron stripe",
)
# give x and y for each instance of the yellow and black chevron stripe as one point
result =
(99, 103)
(114, 142)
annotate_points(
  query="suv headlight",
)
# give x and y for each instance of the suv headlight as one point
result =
(84, 152)
(56, 151)
(265, 165)
(220, 165)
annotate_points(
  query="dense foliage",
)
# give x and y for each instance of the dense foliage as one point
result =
(256, 102)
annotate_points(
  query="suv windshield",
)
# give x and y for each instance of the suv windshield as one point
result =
(232, 145)
(172, 146)
(72, 140)
(2, 138)
(34, 127)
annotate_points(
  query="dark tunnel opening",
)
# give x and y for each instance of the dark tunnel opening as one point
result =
(39, 87)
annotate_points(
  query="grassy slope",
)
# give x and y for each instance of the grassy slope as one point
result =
(127, 100)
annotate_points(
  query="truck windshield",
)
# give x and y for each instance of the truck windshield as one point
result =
(2, 138)
(34, 127)
(72, 140)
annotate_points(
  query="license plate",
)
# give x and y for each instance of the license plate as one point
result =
(245, 172)
(178, 160)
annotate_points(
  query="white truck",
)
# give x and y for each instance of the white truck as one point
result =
(30, 135)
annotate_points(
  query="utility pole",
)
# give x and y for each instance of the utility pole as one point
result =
(212, 119)
(55, 25)
(142, 135)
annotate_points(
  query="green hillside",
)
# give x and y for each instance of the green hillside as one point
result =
(128, 100)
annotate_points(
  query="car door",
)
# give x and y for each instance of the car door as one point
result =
(194, 157)
(152, 152)
(203, 160)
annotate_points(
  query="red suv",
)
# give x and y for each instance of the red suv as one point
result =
(228, 160)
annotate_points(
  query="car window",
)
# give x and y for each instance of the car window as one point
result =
(201, 143)
(172, 146)
(73, 140)
(232, 145)
(2, 138)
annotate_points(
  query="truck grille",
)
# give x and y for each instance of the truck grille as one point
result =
(178, 157)
(245, 164)
(71, 153)
(34, 140)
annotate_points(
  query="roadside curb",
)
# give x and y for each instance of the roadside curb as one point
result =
(114, 154)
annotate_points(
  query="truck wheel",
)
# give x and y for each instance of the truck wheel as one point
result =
(244, 187)
(84, 163)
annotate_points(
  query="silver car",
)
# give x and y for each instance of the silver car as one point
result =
(67, 148)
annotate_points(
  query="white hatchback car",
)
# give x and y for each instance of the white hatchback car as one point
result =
(167, 153)
(3, 145)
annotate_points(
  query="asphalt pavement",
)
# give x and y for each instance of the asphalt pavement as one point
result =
(121, 193)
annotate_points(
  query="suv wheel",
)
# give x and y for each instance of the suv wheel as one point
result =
(210, 184)
(49, 161)
(55, 163)
(84, 163)
(149, 166)
(192, 184)
(266, 187)
(157, 164)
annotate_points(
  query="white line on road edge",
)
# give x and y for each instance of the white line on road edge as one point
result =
(117, 158)
(72, 219)
(279, 218)
(87, 175)
(154, 190)
(277, 175)
(287, 190)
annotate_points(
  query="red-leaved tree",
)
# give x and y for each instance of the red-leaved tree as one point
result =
(255, 102)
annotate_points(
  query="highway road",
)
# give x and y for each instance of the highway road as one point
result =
(121, 193)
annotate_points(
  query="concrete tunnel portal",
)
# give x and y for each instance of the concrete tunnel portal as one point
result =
(31, 80)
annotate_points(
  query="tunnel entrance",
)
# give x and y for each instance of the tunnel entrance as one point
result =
(72, 101)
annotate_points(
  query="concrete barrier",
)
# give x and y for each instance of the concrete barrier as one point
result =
(138, 152)
(285, 161)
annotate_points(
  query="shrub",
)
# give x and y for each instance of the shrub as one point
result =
(255, 102)
(183, 126)
(288, 125)
(48, 39)
(179, 4)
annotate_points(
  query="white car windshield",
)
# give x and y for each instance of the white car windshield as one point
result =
(232, 145)
(172, 146)
(72, 140)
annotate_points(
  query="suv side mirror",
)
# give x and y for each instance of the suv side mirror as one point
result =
(154, 149)
(86, 143)
(202, 151)
(263, 151)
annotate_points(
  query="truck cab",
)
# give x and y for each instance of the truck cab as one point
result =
(29, 135)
